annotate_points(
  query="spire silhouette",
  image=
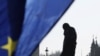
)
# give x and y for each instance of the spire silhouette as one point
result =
(95, 48)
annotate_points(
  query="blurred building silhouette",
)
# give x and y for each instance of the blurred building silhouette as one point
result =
(57, 53)
(36, 53)
(95, 49)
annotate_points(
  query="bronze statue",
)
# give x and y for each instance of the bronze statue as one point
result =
(69, 44)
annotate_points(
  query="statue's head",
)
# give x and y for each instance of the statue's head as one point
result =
(66, 26)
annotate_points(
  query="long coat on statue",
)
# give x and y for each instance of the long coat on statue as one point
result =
(69, 44)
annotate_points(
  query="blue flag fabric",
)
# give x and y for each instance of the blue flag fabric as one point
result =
(40, 17)
(16, 16)
(11, 18)
(16, 9)
(4, 27)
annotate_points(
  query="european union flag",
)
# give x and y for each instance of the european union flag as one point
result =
(11, 18)
(4, 27)
(40, 17)
(16, 16)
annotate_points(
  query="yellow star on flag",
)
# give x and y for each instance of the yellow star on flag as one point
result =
(10, 46)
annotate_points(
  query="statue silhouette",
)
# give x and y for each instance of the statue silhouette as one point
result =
(69, 44)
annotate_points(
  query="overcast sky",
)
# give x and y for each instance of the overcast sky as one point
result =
(84, 16)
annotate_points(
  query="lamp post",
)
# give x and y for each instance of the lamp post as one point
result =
(46, 51)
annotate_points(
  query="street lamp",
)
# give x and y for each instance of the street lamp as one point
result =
(46, 51)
